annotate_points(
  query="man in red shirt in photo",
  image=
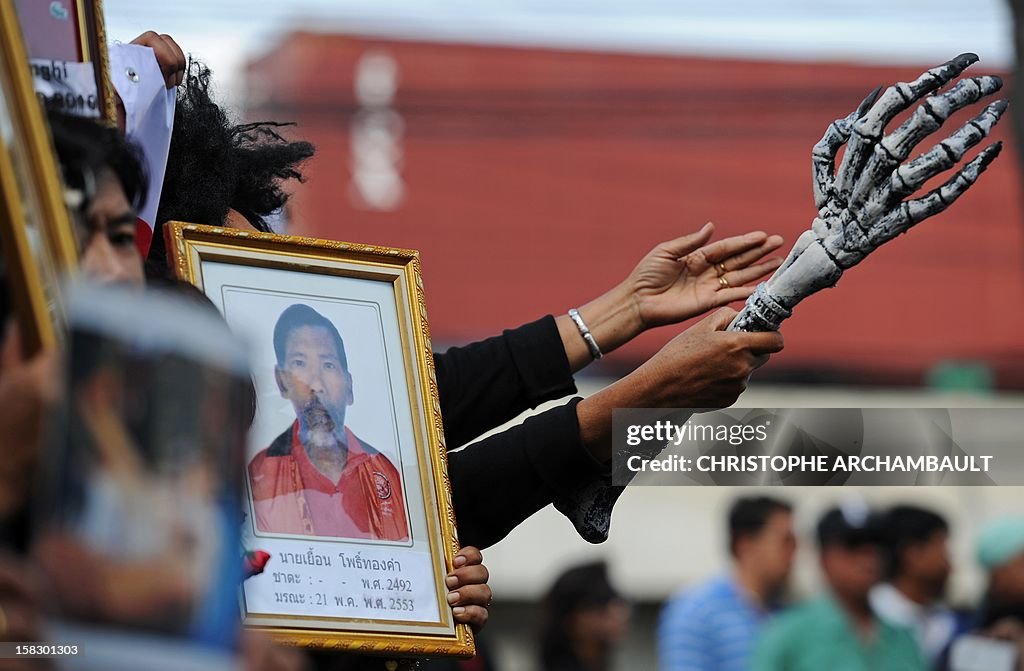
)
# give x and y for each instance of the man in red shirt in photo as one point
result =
(318, 478)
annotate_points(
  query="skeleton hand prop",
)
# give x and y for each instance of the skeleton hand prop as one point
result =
(863, 207)
(859, 209)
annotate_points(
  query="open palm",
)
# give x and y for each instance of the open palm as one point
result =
(686, 277)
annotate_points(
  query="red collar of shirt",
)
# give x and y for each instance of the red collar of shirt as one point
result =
(312, 478)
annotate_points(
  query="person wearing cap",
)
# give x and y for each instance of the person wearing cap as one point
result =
(584, 619)
(917, 570)
(714, 626)
(840, 631)
(1000, 551)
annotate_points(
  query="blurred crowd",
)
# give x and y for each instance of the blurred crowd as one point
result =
(883, 604)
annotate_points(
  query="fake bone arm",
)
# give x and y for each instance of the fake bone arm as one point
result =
(859, 209)
(865, 205)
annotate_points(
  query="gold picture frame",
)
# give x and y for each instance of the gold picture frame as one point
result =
(94, 29)
(35, 227)
(87, 27)
(352, 584)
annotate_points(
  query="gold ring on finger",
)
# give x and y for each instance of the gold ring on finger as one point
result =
(721, 269)
(723, 283)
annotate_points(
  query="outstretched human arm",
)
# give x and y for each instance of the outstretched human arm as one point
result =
(500, 481)
(486, 383)
(677, 280)
(703, 367)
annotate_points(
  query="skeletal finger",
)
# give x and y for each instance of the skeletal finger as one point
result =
(823, 156)
(909, 178)
(913, 212)
(929, 116)
(902, 95)
(934, 111)
(868, 129)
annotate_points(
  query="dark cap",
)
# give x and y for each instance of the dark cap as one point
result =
(850, 525)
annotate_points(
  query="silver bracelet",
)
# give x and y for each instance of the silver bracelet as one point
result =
(588, 337)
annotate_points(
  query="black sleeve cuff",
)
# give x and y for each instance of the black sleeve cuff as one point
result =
(540, 359)
(500, 481)
(561, 459)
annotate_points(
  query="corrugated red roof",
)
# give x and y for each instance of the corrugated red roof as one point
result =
(535, 179)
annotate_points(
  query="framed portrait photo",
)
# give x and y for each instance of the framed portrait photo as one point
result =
(36, 233)
(67, 47)
(346, 482)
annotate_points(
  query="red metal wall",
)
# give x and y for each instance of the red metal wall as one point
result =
(535, 179)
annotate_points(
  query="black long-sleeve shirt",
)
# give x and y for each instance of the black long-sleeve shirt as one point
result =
(500, 481)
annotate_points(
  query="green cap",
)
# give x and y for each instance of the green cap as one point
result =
(1001, 541)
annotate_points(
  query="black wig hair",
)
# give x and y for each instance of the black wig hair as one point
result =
(215, 165)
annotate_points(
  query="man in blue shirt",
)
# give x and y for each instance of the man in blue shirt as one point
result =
(714, 626)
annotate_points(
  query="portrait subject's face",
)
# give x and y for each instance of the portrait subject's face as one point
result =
(313, 379)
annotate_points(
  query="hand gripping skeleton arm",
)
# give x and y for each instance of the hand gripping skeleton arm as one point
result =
(859, 209)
